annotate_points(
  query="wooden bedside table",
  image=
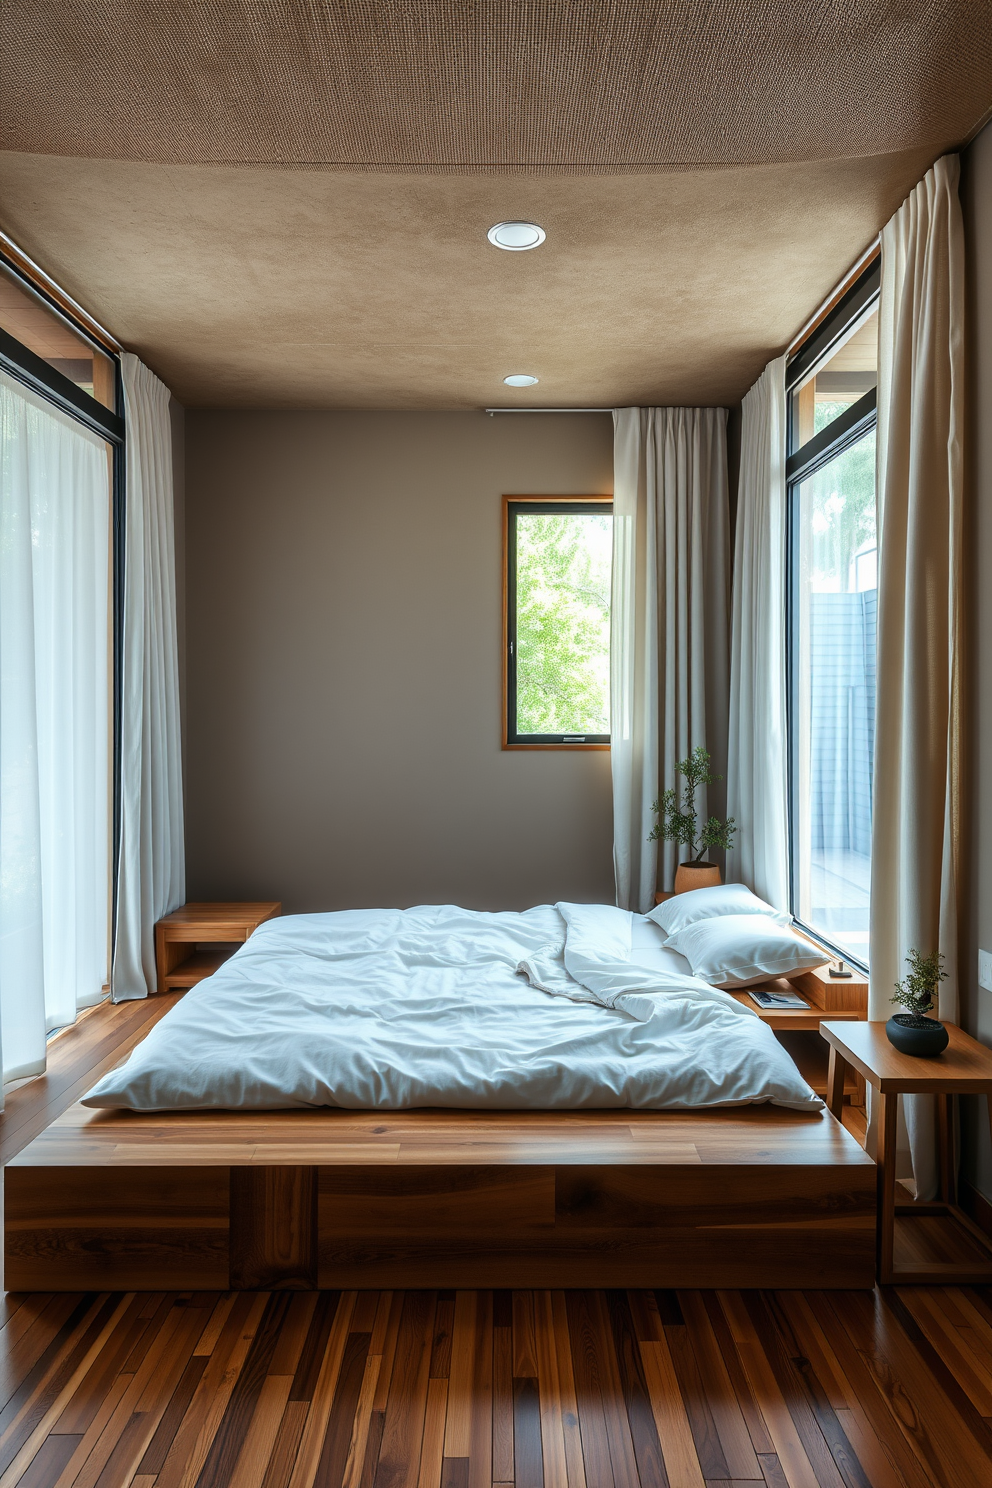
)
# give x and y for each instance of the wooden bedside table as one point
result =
(964, 1068)
(178, 962)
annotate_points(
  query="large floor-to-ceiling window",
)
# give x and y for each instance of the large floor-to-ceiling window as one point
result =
(59, 433)
(832, 610)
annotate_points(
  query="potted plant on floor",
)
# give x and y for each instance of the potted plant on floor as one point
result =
(678, 822)
(912, 1032)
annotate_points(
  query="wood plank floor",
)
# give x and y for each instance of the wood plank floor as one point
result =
(471, 1389)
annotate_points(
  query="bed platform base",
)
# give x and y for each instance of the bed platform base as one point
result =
(260, 1201)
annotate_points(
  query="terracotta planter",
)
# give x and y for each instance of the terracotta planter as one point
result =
(696, 876)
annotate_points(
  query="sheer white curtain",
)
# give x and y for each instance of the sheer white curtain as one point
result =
(55, 638)
(668, 668)
(758, 753)
(152, 874)
(915, 834)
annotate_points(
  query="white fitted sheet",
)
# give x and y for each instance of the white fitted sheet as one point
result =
(391, 1009)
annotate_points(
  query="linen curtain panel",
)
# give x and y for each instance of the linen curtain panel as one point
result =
(151, 877)
(917, 771)
(55, 598)
(668, 667)
(757, 773)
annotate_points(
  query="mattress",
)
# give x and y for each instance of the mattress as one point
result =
(559, 1007)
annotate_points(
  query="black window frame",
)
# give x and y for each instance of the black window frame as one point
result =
(514, 506)
(33, 372)
(802, 462)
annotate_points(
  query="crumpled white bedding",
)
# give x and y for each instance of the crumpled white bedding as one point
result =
(394, 1009)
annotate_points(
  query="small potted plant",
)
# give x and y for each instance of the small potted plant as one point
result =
(678, 822)
(913, 1032)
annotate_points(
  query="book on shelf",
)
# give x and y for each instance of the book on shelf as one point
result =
(771, 1000)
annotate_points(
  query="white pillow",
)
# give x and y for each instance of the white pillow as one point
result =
(738, 950)
(703, 904)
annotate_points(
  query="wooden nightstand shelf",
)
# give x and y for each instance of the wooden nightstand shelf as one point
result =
(179, 961)
(942, 1229)
(828, 997)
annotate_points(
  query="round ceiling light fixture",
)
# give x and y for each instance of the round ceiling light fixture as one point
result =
(520, 379)
(516, 237)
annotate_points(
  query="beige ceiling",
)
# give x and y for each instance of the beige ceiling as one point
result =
(285, 204)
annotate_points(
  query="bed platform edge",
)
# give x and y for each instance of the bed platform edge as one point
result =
(288, 1200)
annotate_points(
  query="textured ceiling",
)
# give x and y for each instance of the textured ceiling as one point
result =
(558, 84)
(285, 204)
(274, 288)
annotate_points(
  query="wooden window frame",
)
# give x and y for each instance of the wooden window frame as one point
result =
(27, 367)
(511, 739)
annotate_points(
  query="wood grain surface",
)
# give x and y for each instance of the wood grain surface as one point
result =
(747, 1197)
(964, 1068)
(231, 920)
(178, 964)
(547, 1388)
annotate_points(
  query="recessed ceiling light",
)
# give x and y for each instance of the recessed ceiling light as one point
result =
(516, 237)
(520, 379)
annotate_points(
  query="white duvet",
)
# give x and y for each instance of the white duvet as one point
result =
(560, 1007)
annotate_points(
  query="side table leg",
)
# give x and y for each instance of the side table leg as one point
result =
(836, 1070)
(945, 1149)
(888, 1107)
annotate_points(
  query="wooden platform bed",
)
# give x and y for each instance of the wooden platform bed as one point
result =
(755, 1197)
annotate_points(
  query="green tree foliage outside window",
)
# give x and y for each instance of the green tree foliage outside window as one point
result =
(563, 623)
(842, 511)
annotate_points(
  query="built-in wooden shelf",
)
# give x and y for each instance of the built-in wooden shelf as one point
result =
(195, 967)
(192, 942)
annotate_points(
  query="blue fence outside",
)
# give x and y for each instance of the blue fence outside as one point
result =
(842, 737)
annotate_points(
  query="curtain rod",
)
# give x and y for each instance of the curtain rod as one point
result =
(491, 411)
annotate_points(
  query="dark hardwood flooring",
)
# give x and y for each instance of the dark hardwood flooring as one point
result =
(552, 1389)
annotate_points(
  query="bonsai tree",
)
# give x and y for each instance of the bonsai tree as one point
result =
(918, 992)
(677, 819)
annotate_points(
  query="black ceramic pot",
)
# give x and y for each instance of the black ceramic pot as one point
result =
(912, 1035)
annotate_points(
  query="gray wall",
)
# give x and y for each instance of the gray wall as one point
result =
(343, 662)
(977, 1003)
